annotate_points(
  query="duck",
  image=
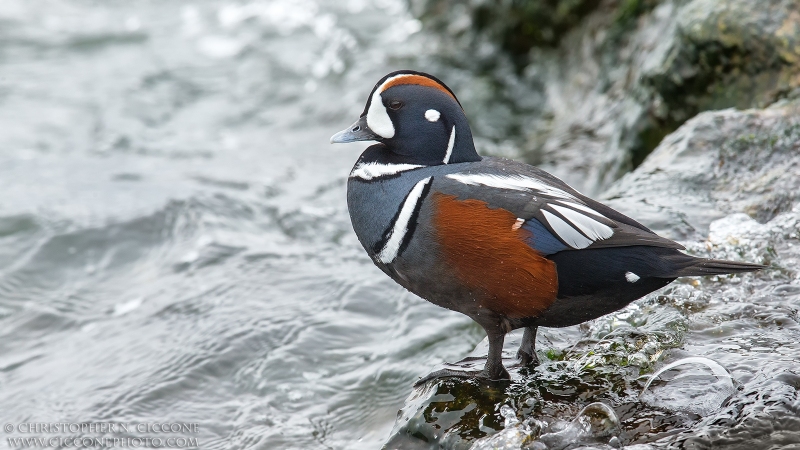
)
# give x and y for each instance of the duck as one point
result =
(503, 242)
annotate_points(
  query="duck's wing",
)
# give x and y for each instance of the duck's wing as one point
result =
(556, 216)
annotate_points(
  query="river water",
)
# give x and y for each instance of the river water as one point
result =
(174, 240)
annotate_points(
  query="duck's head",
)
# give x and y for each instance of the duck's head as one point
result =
(417, 119)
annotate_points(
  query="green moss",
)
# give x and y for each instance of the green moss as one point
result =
(630, 10)
(518, 25)
(554, 355)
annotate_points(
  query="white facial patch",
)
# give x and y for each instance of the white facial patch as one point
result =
(378, 119)
(450, 145)
(432, 115)
(400, 228)
(631, 277)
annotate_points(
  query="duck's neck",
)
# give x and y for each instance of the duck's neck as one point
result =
(463, 148)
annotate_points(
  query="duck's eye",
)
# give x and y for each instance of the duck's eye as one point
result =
(395, 104)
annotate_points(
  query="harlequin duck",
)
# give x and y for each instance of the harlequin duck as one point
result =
(503, 242)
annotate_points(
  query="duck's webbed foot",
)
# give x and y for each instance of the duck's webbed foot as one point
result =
(448, 373)
(527, 349)
(492, 370)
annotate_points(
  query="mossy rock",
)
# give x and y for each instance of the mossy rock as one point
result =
(731, 53)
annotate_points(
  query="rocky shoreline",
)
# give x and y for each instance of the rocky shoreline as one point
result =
(725, 182)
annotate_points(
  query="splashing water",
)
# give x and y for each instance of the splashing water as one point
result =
(690, 391)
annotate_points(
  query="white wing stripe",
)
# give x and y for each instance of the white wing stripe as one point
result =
(400, 228)
(568, 234)
(582, 208)
(590, 227)
(368, 171)
(515, 182)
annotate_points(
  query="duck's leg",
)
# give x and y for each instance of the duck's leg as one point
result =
(527, 349)
(493, 370)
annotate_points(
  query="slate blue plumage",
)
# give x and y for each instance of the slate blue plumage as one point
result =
(542, 240)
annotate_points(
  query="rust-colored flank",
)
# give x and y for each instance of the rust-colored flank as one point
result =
(492, 258)
(416, 79)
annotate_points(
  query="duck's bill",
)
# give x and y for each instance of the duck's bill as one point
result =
(358, 131)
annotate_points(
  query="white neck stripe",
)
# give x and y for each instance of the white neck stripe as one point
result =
(368, 171)
(450, 145)
(400, 228)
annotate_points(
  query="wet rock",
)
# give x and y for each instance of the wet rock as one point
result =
(553, 401)
(718, 163)
(735, 53)
(727, 185)
(591, 88)
(515, 27)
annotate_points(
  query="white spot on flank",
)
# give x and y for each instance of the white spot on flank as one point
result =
(515, 182)
(432, 115)
(400, 228)
(368, 171)
(518, 224)
(568, 234)
(378, 119)
(590, 227)
(631, 277)
(450, 145)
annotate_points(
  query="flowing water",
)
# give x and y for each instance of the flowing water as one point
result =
(174, 241)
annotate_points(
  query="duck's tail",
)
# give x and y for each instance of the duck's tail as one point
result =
(689, 266)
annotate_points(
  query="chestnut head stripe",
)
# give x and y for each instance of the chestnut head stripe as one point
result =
(414, 79)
